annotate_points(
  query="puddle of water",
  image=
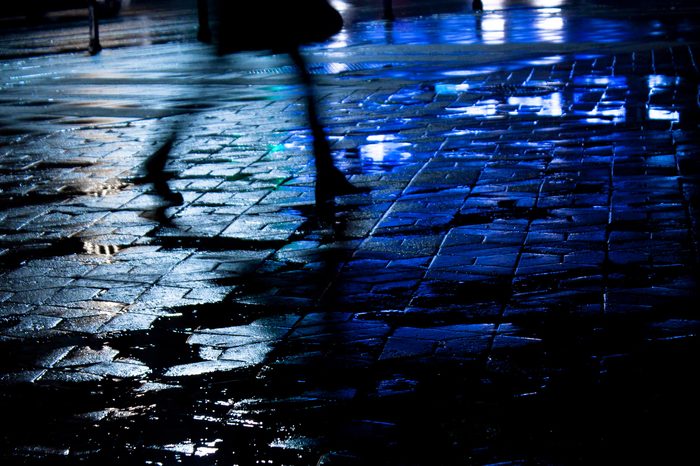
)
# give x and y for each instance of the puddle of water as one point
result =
(550, 105)
(545, 21)
(469, 72)
(660, 80)
(663, 114)
(451, 88)
(609, 82)
(613, 115)
(203, 367)
(552, 60)
(190, 448)
(229, 348)
(463, 132)
(155, 387)
(384, 155)
(486, 108)
(294, 443)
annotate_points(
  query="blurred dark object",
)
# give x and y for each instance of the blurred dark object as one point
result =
(38, 8)
(277, 25)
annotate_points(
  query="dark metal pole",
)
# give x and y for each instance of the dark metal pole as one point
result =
(94, 47)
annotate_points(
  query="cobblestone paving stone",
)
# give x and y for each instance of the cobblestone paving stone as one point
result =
(523, 268)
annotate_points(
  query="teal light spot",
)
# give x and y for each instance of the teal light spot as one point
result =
(280, 181)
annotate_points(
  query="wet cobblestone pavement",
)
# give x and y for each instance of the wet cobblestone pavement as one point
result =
(517, 287)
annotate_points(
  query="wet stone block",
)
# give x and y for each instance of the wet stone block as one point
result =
(250, 354)
(471, 347)
(130, 321)
(32, 326)
(203, 367)
(20, 377)
(117, 369)
(84, 356)
(406, 348)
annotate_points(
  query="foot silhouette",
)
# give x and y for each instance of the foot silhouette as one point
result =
(330, 182)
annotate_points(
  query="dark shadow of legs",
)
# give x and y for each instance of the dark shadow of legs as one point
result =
(154, 173)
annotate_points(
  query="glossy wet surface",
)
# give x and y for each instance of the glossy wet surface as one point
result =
(518, 286)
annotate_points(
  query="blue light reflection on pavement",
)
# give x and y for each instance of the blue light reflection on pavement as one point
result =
(549, 105)
(503, 22)
(594, 99)
(384, 152)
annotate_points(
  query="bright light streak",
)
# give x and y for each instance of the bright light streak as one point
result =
(660, 80)
(494, 28)
(656, 113)
(451, 88)
(385, 152)
(340, 5)
(550, 105)
(546, 3)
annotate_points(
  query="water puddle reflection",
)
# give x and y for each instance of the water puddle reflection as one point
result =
(595, 98)
(550, 105)
(384, 153)
(655, 81)
(486, 108)
(656, 113)
(604, 82)
(504, 22)
(442, 88)
(229, 348)
(191, 448)
(294, 443)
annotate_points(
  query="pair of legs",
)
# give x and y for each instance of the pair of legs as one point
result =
(330, 182)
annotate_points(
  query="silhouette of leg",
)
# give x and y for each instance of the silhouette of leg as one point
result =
(477, 6)
(330, 182)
